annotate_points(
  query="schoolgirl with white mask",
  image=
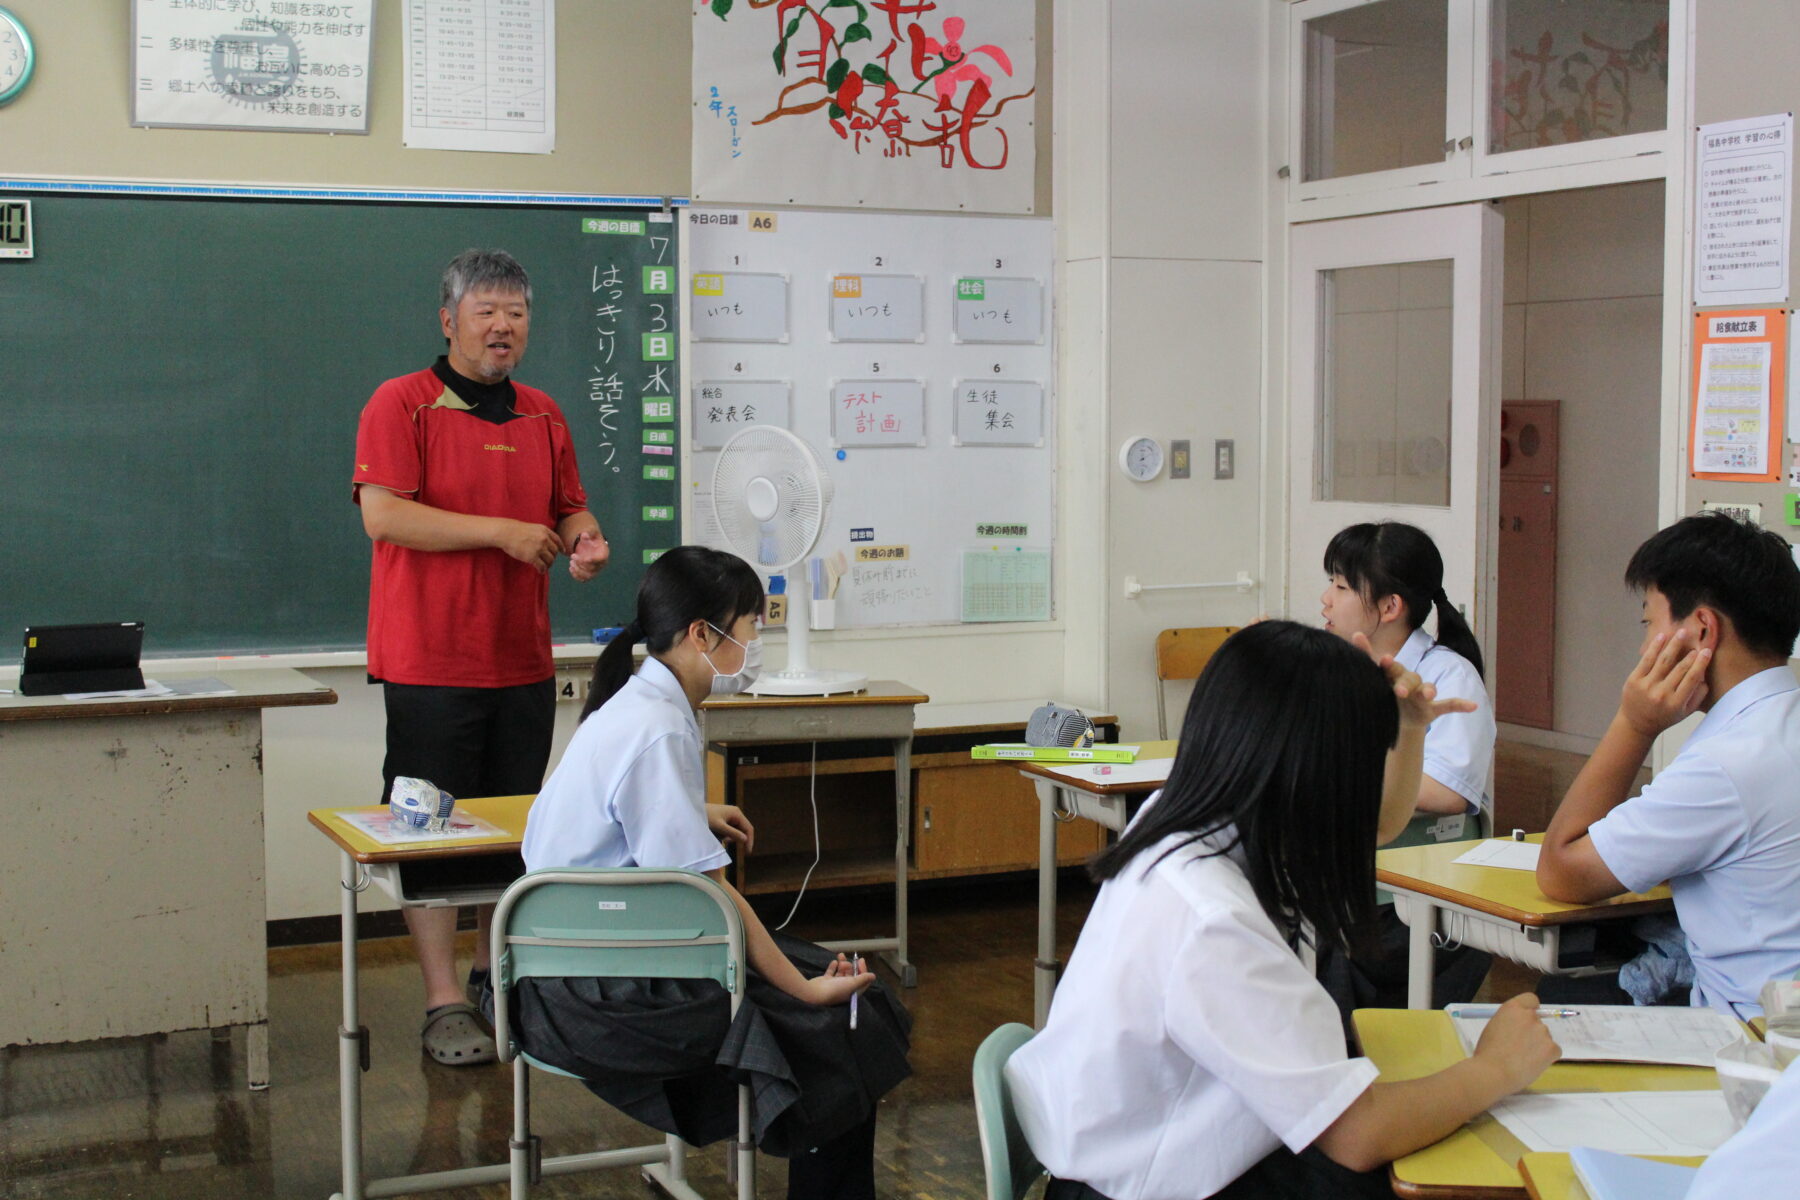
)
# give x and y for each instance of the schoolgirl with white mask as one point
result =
(630, 791)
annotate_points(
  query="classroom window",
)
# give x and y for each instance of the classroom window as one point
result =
(1384, 386)
(1375, 88)
(1563, 71)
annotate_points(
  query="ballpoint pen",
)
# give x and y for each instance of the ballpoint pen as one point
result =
(857, 966)
(1488, 1010)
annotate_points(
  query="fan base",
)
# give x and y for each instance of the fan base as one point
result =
(808, 683)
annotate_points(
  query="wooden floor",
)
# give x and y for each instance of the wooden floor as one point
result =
(169, 1117)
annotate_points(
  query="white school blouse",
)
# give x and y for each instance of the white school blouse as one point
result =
(1459, 747)
(1722, 824)
(1186, 1041)
(630, 790)
(1763, 1158)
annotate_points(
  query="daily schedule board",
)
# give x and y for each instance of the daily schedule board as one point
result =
(185, 378)
(915, 353)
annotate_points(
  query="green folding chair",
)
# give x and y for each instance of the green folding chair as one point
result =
(634, 923)
(1007, 1160)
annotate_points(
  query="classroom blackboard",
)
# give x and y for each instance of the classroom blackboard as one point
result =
(181, 380)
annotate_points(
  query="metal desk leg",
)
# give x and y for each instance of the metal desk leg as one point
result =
(350, 1042)
(1046, 968)
(896, 958)
(1421, 962)
(256, 1051)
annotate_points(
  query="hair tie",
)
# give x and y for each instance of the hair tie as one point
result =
(1442, 597)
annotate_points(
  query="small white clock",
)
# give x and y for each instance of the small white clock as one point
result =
(16, 56)
(1141, 458)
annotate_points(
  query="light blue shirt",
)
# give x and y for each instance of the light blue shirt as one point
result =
(630, 790)
(1459, 747)
(1763, 1158)
(1722, 824)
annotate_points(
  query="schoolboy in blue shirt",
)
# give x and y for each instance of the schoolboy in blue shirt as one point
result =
(1721, 823)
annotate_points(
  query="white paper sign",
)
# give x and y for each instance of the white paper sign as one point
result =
(723, 407)
(738, 306)
(481, 75)
(878, 412)
(877, 308)
(1731, 430)
(891, 105)
(276, 64)
(990, 309)
(1741, 209)
(998, 412)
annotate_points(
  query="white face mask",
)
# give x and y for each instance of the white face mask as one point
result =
(744, 676)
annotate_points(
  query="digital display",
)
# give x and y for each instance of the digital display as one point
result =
(15, 229)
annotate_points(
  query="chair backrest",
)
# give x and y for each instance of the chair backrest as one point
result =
(1010, 1166)
(628, 922)
(1183, 654)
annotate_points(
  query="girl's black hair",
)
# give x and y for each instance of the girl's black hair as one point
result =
(1388, 558)
(686, 584)
(1285, 744)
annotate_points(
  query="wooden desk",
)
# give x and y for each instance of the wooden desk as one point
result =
(1552, 1176)
(882, 712)
(1479, 1161)
(1491, 908)
(133, 859)
(491, 864)
(1102, 796)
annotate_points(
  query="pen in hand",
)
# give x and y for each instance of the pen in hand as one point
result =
(856, 964)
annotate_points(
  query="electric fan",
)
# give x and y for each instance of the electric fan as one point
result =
(770, 493)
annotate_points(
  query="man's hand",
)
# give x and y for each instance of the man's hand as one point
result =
(1419, 705)
(587, 556)
(1668, 683)
(728, 823)
(537, 545)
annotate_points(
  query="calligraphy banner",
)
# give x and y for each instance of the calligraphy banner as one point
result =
(911, 104)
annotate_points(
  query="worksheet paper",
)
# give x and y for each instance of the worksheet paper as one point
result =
(481, 75)
(1623, 1033)
(1671, 1123)
(1146, 770)
(1731, 428)
(389, 830)
(1502, 852)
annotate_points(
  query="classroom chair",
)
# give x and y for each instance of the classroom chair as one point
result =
(626, 923)
(1008, 1162)
(1183, 654)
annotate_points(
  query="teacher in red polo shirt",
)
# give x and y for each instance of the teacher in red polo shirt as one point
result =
(470, 493)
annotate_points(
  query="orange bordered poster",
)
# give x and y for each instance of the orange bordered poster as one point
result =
(1740, 385)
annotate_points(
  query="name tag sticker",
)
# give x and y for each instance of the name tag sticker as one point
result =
(612, 906)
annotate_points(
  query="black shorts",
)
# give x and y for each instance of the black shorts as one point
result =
(470, 741)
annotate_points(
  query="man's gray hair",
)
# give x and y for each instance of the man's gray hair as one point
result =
(477, 269)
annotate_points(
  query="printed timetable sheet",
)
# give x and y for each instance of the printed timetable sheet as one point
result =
(481, 75)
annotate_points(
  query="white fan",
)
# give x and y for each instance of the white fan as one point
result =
(770, 493)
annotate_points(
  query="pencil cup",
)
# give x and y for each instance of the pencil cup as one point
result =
(824, 614)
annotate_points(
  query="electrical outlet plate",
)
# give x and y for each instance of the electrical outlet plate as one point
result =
(1224, 459)
(1181, 458)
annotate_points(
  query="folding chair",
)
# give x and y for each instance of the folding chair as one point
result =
(1183, 654)
(634, 923)
(1010, 1166)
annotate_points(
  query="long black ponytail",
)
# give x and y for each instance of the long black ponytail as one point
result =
(684, 585)
(1388, 558)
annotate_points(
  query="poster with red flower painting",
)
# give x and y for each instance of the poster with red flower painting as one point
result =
(914, 104)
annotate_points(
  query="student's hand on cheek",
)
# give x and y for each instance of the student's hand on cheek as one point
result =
(728, 822)
(1668, 683)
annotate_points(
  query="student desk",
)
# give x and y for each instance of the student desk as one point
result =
(1552, 1176)
(1100, 792)
(881, 712)
(464, 871)
(1479, 1161)
(133, 859)
(1494, 909)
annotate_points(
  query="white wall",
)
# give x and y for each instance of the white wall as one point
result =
(1160, 136)
(1583, 325)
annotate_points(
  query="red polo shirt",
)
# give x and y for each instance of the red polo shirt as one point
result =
(463, 618)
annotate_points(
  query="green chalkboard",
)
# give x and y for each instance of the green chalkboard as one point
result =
(181, 381)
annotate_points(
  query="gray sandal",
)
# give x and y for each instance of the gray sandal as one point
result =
(453, 1036)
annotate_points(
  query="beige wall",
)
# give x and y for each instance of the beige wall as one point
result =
(623, 112)
(1583, 326)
